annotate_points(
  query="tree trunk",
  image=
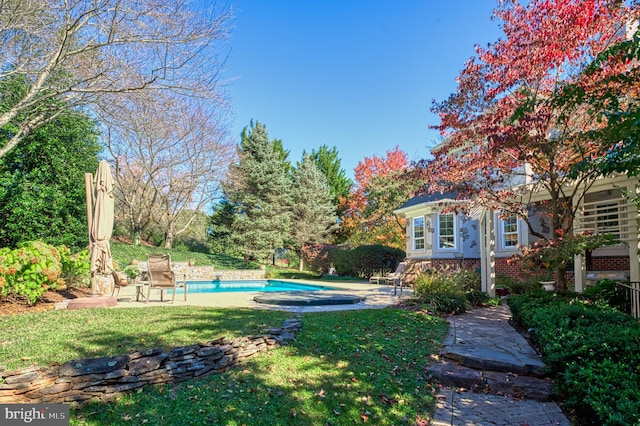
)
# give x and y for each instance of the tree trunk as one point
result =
(168, 239)
(561, 277)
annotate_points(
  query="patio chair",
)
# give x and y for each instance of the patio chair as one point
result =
(395, 277)
(162, 277)
(117, 283)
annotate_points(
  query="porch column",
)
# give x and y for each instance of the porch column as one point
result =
(579, 267)
(487, 253)
(632, 217)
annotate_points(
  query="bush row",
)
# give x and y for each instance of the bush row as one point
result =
(592, 349)
(361, 261)
(451, 292)
(34, 267)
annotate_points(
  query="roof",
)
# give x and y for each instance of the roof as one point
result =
(430, 198)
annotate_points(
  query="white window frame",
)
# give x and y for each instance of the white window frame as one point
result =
(417, 239)
(503, 231)
(454, 234)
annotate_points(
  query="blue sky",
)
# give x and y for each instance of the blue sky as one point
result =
(355, 74)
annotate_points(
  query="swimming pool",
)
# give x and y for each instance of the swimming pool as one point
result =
(247, 286)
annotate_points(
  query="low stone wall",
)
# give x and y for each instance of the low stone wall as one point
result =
(102, 378)
(209, 273)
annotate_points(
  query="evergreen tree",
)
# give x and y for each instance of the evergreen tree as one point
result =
(42, 193)
(221, 228)
(259, 188)
(328, 161)
(314, 215)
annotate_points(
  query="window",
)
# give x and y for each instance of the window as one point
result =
(418, 233)
(510, 231)
(446, 231)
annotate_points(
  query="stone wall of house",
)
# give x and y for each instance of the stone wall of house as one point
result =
(102, 378)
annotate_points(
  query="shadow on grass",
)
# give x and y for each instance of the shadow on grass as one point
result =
(344, 368)
(60, 336)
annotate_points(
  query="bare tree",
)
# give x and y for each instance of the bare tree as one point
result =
(91, 52)
(170, 156)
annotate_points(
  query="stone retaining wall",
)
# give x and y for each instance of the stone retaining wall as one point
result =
(209, 273)
(102, 378)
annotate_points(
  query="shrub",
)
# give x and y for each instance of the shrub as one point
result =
(603, 389)
(605, 291)
(434, 282)
(317, 257)
(525, 285)
(504, 281)
(76, 268)
(446, 303)
(477, 298)
(593, 349)
(467, 280)
(439, 291)
(362, 261)
(29, 270)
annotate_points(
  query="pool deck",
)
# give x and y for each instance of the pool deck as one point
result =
(334, 299)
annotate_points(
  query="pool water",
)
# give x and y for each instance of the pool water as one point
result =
(247, 286)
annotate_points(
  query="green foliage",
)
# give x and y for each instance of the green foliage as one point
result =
(132, 271)
(58, 336)
(42, 194)
(451, 292)
(440, 293)
(291, 274)
(446, 303)
(76, 267)
(504, 281)
(593, 349)
(467, 279)
(604, 389)
(547, 255)
(525, 285)
(606, 292)
(328, 162)
(313, 222)
(479, 298)
(363, 261)
(259, 189)
(29, 270)
(220, 235)
(123, 254)
(434, 282)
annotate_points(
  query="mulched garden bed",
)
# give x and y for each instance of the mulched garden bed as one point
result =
(47, 303)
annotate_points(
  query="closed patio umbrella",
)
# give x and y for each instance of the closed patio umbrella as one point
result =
(101, 225)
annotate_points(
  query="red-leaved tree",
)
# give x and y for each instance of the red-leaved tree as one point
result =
(378, 190)
(506, 136)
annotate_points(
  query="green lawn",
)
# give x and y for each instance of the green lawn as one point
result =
(344, 367)
(123, 254)
(63, 335)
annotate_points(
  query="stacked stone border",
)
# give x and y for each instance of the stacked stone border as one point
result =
(103, 378)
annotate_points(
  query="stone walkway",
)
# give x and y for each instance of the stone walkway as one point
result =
(490, 375)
